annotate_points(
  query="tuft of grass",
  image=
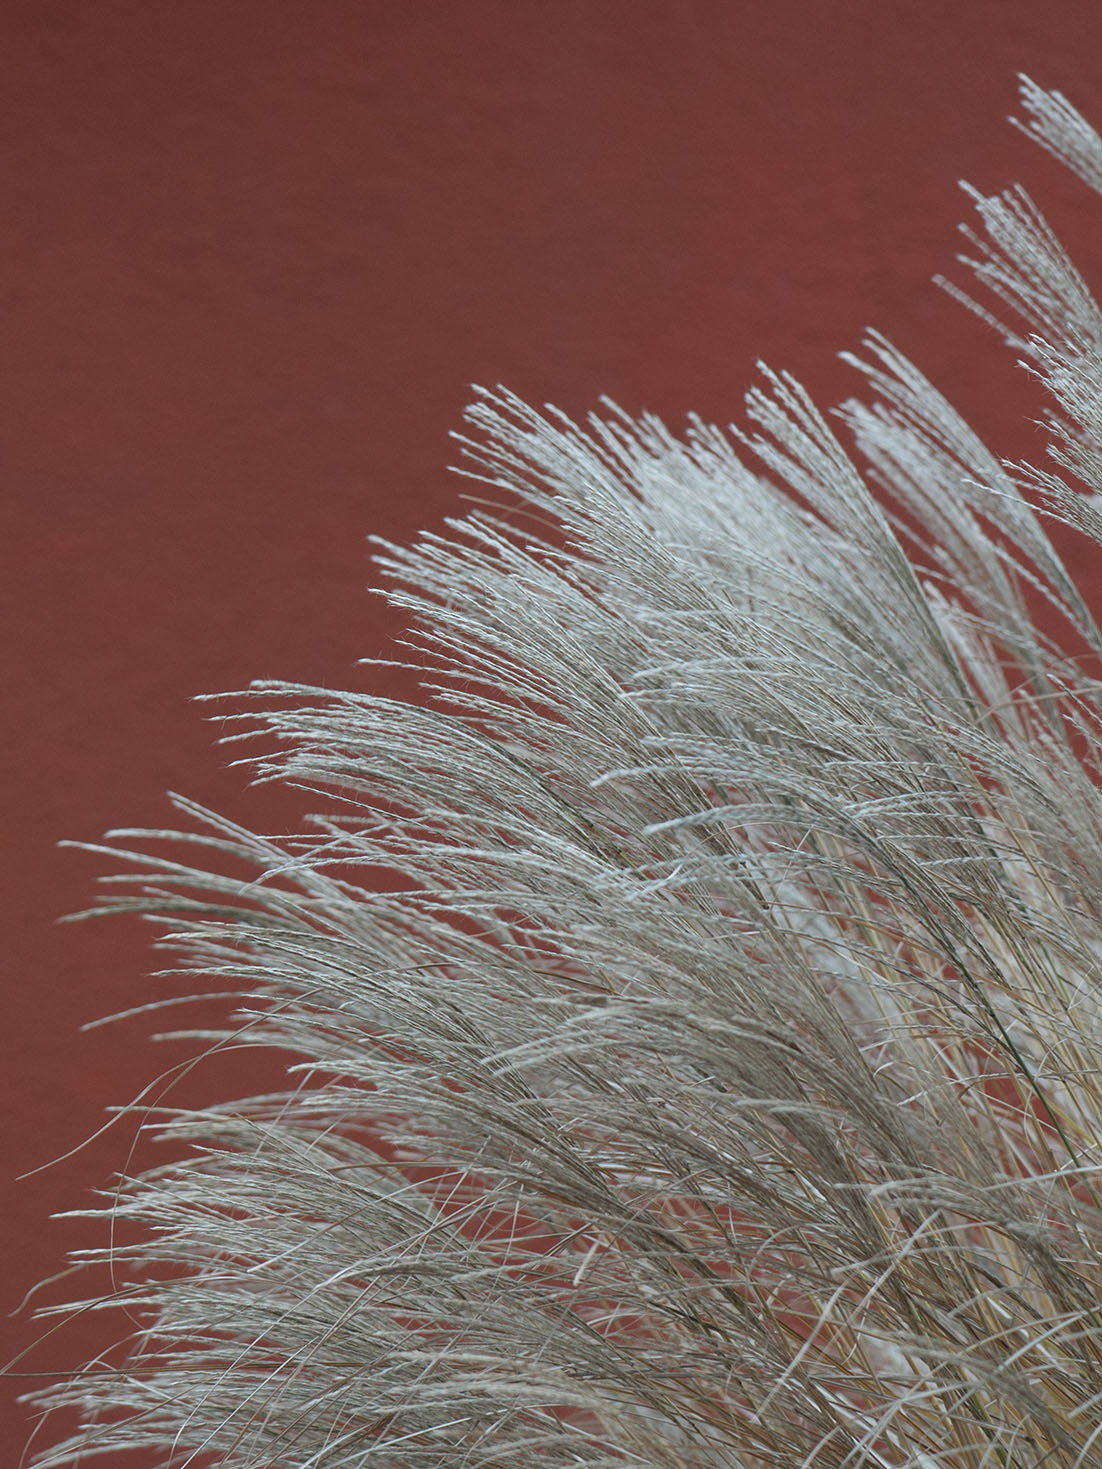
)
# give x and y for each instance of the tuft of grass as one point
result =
(697, 998)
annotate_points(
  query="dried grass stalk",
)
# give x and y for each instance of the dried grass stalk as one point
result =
(698, 997)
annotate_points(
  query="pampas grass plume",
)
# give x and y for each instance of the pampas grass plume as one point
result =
(696, 1001)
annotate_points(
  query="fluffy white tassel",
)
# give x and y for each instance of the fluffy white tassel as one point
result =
(698, 998)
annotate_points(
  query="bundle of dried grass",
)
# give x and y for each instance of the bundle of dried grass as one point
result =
(698, 998)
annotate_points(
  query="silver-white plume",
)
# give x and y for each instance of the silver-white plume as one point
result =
(698, 997)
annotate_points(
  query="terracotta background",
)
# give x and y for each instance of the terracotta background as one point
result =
(250, 256)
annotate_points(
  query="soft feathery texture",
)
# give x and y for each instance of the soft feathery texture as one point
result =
(698, 996)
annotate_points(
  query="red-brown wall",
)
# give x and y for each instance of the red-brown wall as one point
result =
(251, 254)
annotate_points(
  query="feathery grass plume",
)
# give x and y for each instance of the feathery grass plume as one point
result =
(698, 999)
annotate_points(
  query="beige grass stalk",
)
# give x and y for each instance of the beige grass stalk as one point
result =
(698, 997)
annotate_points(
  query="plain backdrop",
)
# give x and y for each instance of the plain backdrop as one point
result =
(252, 253)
